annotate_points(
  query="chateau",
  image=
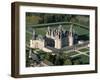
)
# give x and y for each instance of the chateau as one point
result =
(54, 37)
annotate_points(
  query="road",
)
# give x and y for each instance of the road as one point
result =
(80, 53)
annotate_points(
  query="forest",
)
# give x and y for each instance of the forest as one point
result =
(42, 18)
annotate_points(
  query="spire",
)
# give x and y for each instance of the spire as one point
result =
(33, 37)
(71, 35)
(71, 30)
(48, 28)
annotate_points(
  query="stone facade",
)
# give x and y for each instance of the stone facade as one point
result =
(55, 37)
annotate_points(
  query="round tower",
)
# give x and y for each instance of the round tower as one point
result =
(58, 42)
(70, 36)
(34, 35)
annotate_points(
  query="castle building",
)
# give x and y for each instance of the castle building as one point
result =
(55, 37)
(36, 42)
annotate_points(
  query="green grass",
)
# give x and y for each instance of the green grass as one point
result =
(81, 59)
(71, 53)
(84, 59)
(84, 50)
(41, 31)
(67, 62)
(88, 53)
(32, 19)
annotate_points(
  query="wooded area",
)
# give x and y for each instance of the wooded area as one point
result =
(42, 18)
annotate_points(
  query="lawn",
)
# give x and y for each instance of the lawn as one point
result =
(84, 59)
(84, 50)
(71, 53)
